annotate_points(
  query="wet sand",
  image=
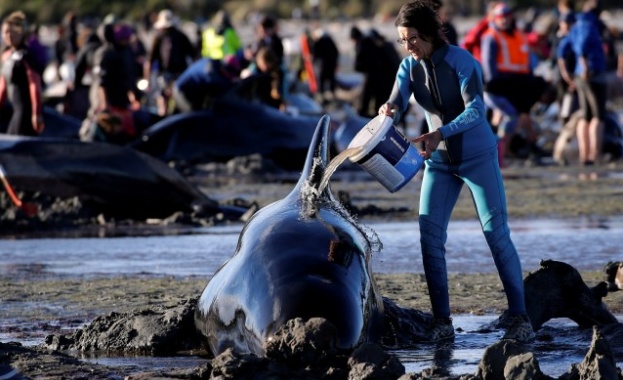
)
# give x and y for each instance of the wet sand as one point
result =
(550, 192)
(75, 301)
(55, 304)
(532, 193)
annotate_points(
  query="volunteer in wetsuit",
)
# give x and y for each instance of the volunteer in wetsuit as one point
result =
(446, 81)
(19, 80)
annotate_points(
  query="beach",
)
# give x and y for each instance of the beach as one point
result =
(37, 303)
(57, 304)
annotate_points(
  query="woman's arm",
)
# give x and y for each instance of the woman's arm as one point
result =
(399, 97)
(2, 90)
(34, 90)
(468, 74)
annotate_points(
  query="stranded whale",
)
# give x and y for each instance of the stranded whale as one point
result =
(300, 257)
(113, 179)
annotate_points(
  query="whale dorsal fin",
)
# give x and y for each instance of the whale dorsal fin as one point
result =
(317, 158)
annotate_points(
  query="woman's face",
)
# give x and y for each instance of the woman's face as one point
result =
(12, 35)
(415, 45)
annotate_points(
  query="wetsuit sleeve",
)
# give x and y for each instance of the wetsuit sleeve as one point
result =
(402, 87)
(3, 87)
(34, 90)
(2, 90)
(468, 73)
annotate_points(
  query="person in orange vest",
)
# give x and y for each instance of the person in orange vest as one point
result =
(510, 86)
(473, 38)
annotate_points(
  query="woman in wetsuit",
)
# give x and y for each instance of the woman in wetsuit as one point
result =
(460, 149)
(19, 80)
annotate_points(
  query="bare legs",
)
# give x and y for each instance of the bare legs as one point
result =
(590, 136)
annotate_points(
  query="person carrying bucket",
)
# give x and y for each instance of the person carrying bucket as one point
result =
(460, 149)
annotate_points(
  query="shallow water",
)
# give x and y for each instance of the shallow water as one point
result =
(585, 243)
(463, 356)
(460, 357)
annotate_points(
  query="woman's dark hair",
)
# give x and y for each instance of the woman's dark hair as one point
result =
(422, 15)
(17, 19)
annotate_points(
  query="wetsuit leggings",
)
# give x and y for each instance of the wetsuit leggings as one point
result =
(441, 186)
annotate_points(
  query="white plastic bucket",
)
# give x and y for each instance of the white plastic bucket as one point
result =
(386, 154)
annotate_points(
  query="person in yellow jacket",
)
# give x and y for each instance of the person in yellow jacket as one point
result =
(221, 39)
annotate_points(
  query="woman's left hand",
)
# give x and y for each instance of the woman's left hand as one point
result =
(388, 109)
(37, 123)
(431, 141)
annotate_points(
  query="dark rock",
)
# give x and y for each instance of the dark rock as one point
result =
(557, 290)
(523, 366)
(155, 330)
(41, 363)
(231, 365)
(599, 362)
(306, 350)
(370, 361)
(404, 327)
(303, 343)
(495, 358)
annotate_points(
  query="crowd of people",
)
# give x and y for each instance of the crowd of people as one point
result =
(115, 73)
(578, 48)
(114, 70)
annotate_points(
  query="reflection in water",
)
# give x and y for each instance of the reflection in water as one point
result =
(467, 252)
(555, 356)
(202, 252)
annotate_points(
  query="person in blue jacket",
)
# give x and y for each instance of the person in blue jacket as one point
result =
(589, 81)
(207, 79)
(460, 149)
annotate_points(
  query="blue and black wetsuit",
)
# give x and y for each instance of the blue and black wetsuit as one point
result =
(20, 84)
(449, 88)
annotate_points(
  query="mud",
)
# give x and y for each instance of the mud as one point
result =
(247, 183)
(71, 303)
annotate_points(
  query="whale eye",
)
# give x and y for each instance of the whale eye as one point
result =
(339, 252)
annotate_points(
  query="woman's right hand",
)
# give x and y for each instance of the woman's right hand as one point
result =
(388, 109)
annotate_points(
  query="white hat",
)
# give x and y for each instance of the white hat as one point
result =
(165, 19)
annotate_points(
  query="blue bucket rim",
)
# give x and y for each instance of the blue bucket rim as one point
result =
(369, 140)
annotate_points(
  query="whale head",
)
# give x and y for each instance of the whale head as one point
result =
(302, 256)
